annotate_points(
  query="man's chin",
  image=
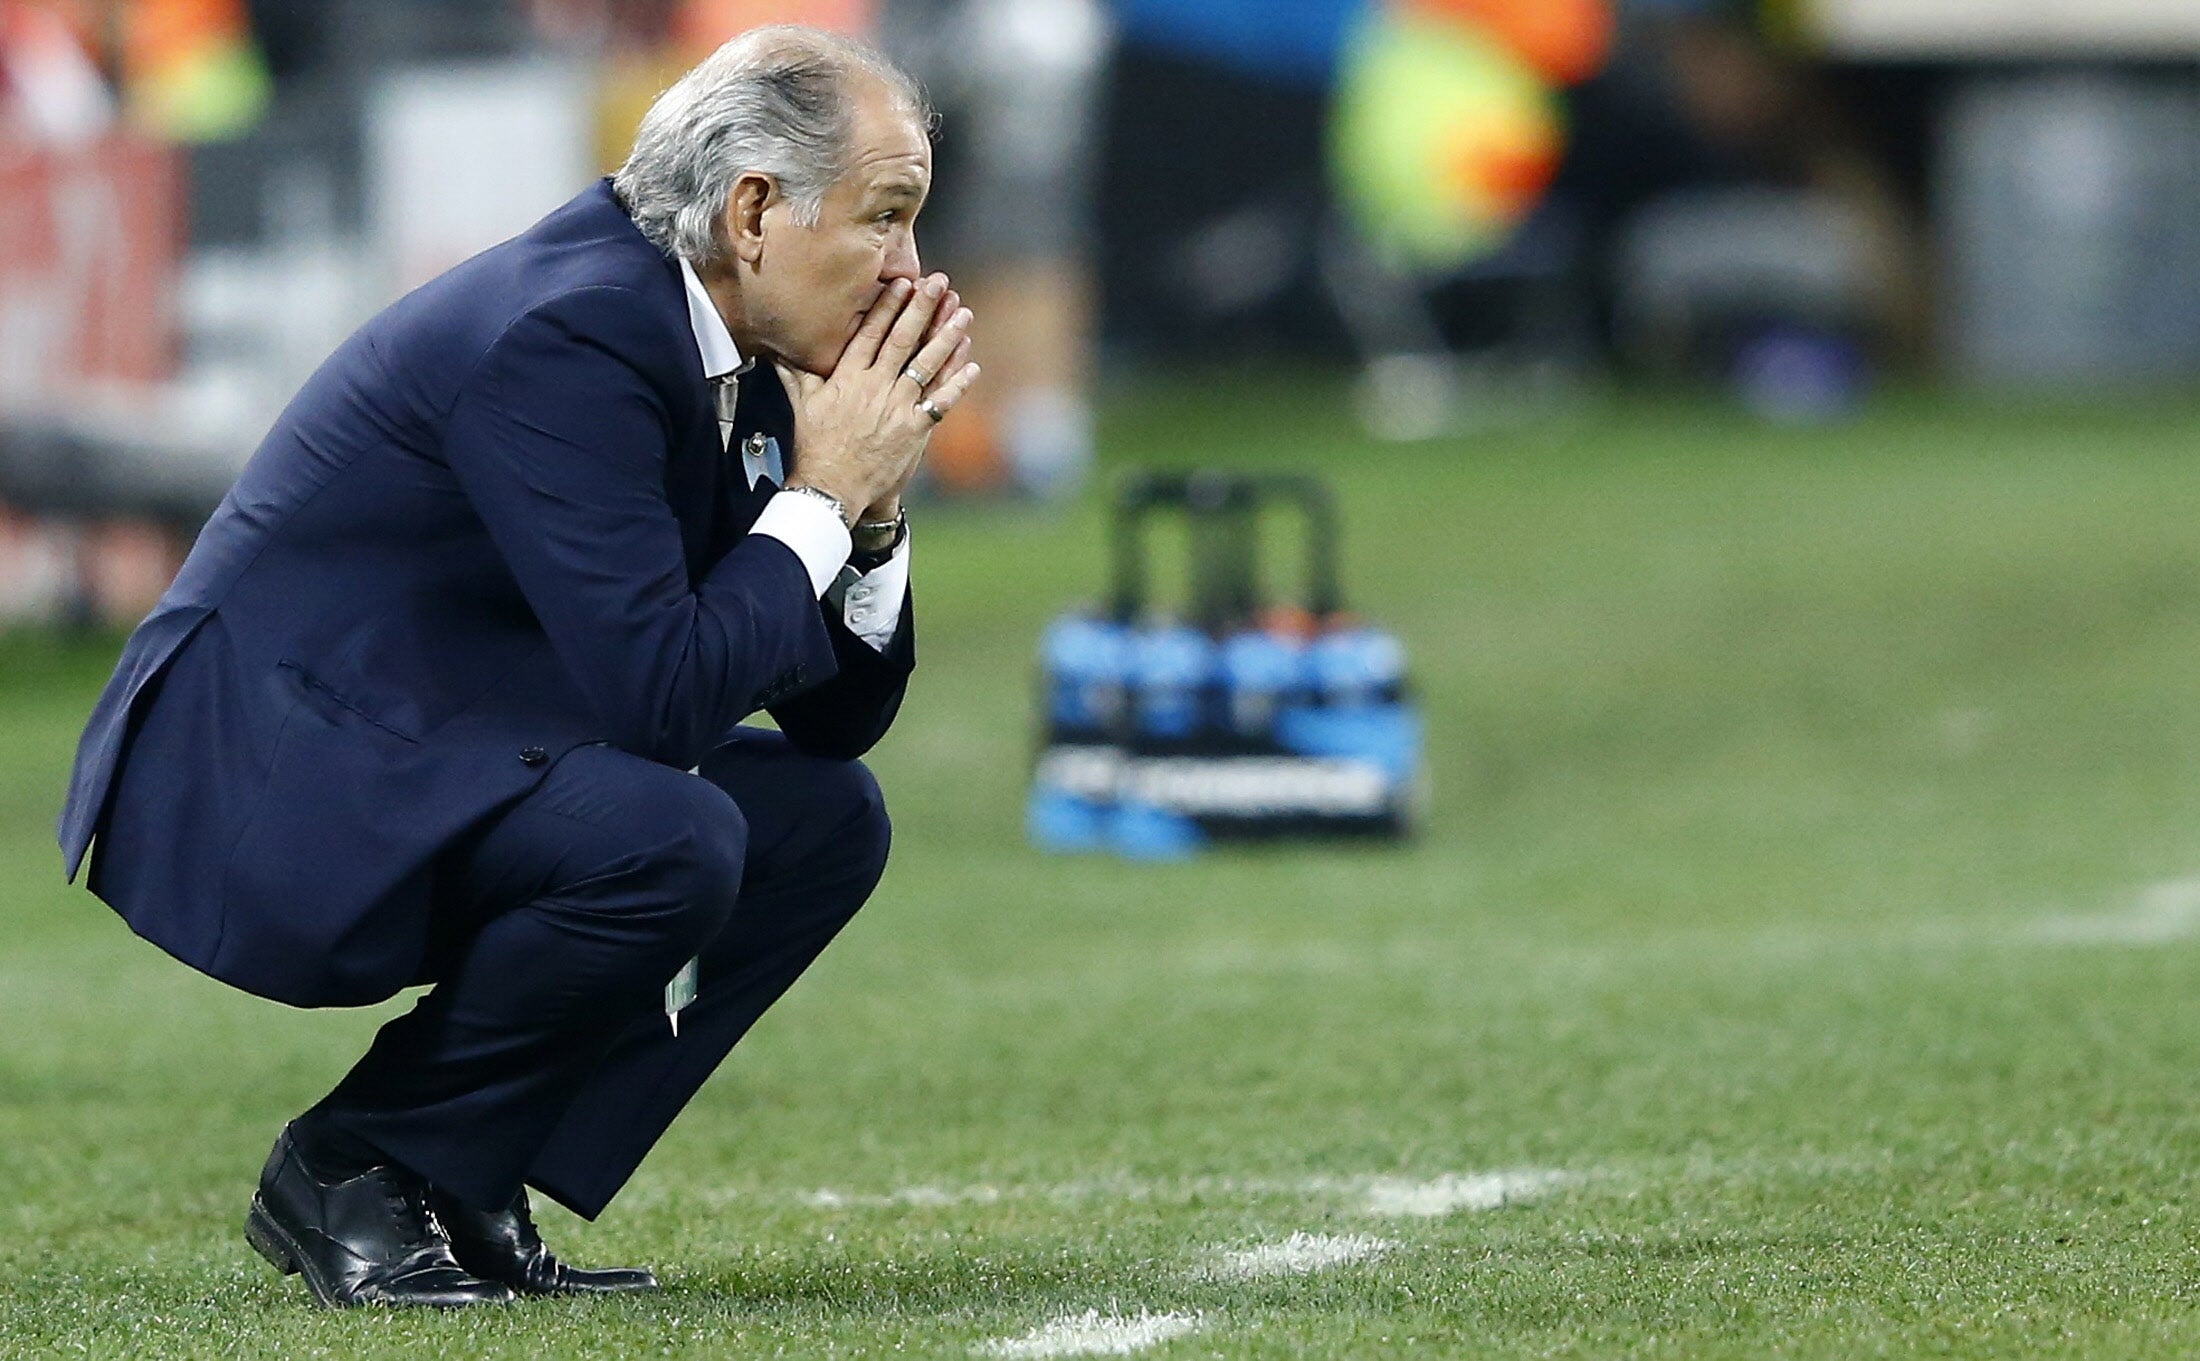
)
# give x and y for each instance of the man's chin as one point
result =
(820, 362)
(810, 364)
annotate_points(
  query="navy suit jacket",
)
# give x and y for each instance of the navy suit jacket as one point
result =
(498, 523)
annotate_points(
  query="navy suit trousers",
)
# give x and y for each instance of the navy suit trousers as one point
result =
(542, 1055)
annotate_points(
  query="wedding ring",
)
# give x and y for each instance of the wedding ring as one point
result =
(937, 415)
(917, 376)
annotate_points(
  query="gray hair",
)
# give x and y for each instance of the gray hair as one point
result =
(774, 101)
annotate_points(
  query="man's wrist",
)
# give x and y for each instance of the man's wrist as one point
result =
(874, 534)
(840, 507)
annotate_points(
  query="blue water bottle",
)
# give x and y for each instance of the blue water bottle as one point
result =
(1171, 669)
(1356, 667)
(1262, 673)
(1087, 665)
(1359, 712)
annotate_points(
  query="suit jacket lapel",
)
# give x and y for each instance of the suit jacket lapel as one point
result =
(709, 493)
(693, 474)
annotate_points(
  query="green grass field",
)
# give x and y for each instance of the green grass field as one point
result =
(1807, 918)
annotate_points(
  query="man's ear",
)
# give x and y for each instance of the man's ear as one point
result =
(744, 220)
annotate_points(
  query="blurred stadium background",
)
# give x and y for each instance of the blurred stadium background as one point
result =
(1473, 214)
(1771, 429)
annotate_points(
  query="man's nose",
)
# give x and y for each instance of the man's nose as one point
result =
(902, 261)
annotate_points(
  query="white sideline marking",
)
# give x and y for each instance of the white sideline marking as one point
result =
(1388, 1196)
(929, 1196)
(1094, 1334)
(1302, 1254)
(1373, 1195)
(1400, 1198)
(2167, 912)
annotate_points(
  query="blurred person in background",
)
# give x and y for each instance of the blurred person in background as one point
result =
(89, 178)
(54, 102)
(1696, 101)
(1023, 77)
(448, 689)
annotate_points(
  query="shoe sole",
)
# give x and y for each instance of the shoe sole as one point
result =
(273, 1242)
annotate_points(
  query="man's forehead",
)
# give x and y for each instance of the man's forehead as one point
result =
(891, 151)
(899, 177)
(893, 168)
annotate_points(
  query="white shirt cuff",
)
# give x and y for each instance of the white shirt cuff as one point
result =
(808, 526)
(870, 602)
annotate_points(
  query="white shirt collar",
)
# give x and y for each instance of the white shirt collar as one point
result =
(721, 356)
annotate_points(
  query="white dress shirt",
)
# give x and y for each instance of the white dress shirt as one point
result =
(869, 602)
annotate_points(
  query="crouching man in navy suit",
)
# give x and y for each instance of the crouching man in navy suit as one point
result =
(449, 689)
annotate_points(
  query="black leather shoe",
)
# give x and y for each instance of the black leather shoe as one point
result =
(365, 1239)
(504, 1246)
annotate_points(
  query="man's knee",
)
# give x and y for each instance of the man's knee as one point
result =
(651, 847)
(806, 807)
(867, 832)
(697, 857)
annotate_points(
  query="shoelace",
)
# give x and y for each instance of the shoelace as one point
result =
(410, 1201)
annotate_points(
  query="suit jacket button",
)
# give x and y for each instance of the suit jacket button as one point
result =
(533, 756)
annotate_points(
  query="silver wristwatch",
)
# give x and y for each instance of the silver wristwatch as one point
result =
(840, 507)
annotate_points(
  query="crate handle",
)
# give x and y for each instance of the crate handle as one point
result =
(1222, 510)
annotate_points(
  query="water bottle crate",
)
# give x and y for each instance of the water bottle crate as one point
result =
(1237, 722)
